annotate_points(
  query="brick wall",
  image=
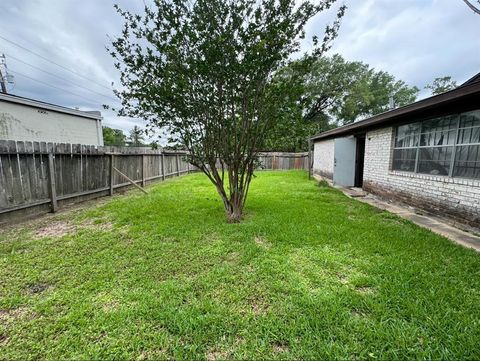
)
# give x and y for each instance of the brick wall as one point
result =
(323, 156)
(455, 198)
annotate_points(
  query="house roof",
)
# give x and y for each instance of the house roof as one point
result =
(48, 106)
(465, 96)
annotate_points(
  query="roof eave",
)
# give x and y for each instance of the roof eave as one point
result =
(52, 107)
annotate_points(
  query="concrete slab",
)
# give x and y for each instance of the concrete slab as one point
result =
(435, 224)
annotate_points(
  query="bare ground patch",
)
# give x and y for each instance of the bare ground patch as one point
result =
(258, 306)
(55, 229)
(214, 355)
(159, 354)
(16, 314)
(232, 257)
(262, 242)
(110, 306)
(37, 288)
(4, 339)
(279, 347)
(342, 278)
(60, 228)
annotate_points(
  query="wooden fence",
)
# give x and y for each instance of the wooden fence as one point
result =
(38, 177)
(283, 161)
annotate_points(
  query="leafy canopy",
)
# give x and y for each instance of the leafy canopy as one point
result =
(114, 137)
(136, 137)
(325, 92)
(203, 69)
(441, 85)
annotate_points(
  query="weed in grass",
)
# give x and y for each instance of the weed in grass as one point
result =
(323, 183)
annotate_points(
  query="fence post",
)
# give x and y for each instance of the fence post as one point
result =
(163, 165)
(143, 170)
(178, 165)
(53, 188)
(111, 175)
(309, 158)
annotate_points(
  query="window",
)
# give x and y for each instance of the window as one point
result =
(448, 146)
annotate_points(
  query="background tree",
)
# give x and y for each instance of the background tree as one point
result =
(329, 91)
(136, 137)
(202, 71)
(114, 137)
(441, 85)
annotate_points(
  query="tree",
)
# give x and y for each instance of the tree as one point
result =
(136, 137)
(202, 71)
(329, 91)
(473, 7)
(113, 137)
(441, 85)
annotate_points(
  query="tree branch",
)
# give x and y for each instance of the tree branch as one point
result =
(471, 6)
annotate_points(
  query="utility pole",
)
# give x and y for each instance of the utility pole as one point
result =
(3, 78)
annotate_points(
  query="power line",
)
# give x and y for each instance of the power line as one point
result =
(62, 78)
(56, 87)
(53, 62)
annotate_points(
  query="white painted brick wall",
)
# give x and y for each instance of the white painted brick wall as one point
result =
(323, 156)
(462, 195)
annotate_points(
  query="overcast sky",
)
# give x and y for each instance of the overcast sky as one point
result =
(415, 40)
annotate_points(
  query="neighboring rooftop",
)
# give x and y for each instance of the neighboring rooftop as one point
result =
(48, 106)
(465, 96)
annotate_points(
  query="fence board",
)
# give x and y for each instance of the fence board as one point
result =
(81, 170)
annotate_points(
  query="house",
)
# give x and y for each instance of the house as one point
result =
(426, 154)
(23, 119)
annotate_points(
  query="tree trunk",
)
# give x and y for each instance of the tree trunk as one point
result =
(234, 212)
(238, 185)
(233, 205)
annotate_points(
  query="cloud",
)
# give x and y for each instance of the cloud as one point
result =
(415, 40)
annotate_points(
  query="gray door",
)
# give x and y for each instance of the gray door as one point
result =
(344, 161)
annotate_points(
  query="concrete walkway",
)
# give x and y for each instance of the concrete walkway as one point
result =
(433, 223)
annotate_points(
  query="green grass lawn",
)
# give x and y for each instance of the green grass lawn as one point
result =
(309, 274)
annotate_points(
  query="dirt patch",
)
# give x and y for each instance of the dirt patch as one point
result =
(37, 288)
(232, 257)
(279, 347)
(55, 229)
(214, 354)
(342, 278)
(15, 314)
(258, 307)
(152, 355)
(262, 242)
(4, 339)
(110, 306)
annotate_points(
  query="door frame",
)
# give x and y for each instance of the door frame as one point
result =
(359, 159)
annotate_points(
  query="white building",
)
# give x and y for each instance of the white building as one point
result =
(23, 119)
(426, 154)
